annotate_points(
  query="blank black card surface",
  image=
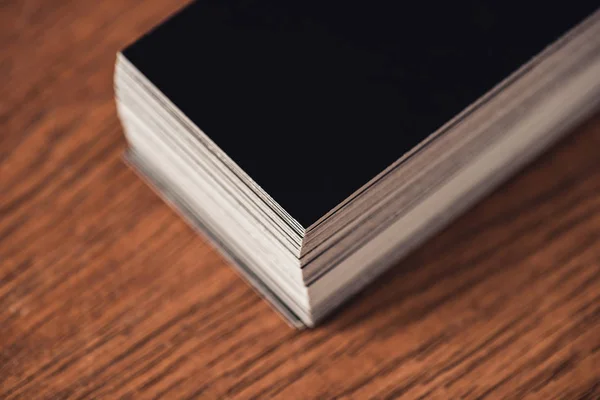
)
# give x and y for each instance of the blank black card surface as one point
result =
(312, 99)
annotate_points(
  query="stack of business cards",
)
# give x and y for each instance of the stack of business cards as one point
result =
(317, 142)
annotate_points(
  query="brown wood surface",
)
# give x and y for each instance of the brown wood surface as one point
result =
(106, 293)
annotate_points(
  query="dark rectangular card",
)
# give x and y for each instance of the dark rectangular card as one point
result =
(314, 98)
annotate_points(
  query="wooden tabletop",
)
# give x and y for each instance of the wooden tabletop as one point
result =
(106, 293)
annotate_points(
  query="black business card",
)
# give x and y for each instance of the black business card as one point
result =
(312, 99)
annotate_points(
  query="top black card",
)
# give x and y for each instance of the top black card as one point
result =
(314, 98)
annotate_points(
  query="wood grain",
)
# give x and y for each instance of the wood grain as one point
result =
(106, 293)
